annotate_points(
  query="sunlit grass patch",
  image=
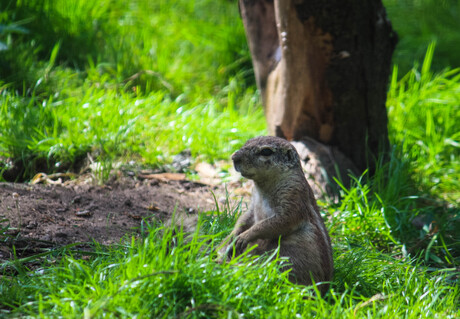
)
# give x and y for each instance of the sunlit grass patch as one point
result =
(424, 113)
(112, 123)
(154, 277)
(124, 80)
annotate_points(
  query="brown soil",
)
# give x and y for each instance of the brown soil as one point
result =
(33, 217)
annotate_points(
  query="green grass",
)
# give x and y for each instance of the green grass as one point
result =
(143, 87)
(112, 123)
(424, 111)
(420, 22)
(151, 278)
(144, 80)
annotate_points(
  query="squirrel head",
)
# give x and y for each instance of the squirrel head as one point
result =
(266, 157)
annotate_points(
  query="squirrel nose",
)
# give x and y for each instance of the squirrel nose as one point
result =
(237, 158)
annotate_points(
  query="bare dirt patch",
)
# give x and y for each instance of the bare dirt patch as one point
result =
(34, 217)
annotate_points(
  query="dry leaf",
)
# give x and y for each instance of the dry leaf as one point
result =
(152, 208)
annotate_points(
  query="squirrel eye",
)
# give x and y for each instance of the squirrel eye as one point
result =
(266, 152)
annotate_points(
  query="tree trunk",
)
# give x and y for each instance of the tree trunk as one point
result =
(322, 68)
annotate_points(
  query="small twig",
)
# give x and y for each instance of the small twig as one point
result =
(377, 297)
(165, 83)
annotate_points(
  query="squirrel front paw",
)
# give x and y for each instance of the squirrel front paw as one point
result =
(238, 245)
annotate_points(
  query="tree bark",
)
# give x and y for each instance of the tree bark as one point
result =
(322, 68)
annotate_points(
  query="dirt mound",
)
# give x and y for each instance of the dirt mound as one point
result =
(52, 215)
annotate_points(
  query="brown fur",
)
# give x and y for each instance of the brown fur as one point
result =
(283, 209)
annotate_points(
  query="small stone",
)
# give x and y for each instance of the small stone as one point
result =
(83, 213)
(31, 225)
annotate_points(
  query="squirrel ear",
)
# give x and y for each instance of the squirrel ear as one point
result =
(292, 158)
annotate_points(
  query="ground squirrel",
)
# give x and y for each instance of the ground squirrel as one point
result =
(282, 205)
